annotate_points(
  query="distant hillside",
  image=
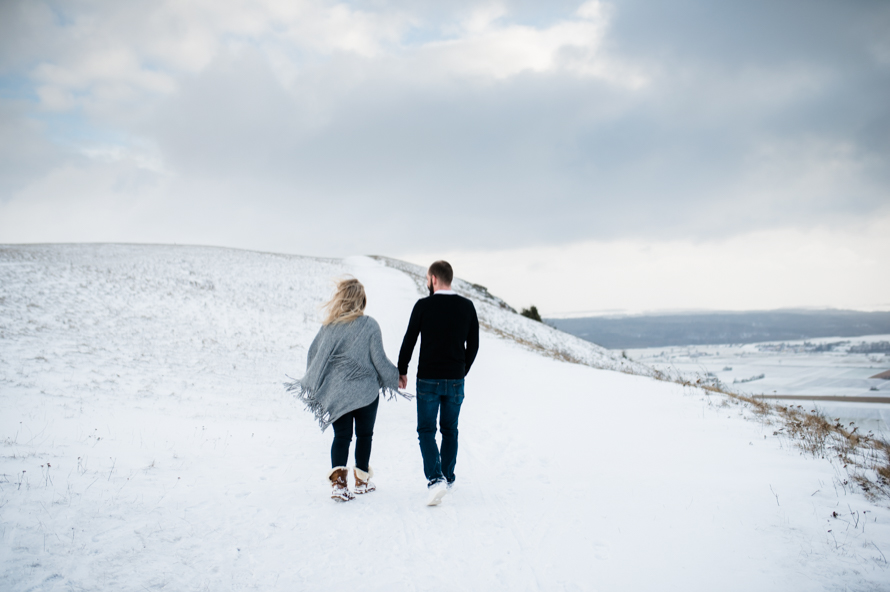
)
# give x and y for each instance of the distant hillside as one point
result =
(723, 327)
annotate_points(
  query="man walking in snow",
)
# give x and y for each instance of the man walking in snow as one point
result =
(449, 339)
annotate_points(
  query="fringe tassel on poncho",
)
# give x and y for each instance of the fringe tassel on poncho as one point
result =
(346, 369)
(322, 416)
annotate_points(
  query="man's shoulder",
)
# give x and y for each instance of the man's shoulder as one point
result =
(449, 302)
(466, 302)
(423, 302)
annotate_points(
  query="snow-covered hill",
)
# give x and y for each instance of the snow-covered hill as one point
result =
(498, 318)
(148, 443)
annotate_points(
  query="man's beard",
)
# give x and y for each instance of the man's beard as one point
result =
(430, 286)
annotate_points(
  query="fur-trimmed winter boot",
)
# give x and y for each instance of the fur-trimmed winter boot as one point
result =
(363, 481)
(339, 487)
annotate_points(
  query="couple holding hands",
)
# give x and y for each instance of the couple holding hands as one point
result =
(347, 369)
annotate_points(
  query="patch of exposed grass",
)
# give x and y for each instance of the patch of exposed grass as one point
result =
(864, 457)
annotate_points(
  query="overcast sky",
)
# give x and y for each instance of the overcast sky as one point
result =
(624, 156)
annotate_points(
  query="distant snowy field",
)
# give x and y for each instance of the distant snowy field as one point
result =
(148, 444)
(832, 366)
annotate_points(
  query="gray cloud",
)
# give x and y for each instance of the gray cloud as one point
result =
(25, 151)
(756, 115)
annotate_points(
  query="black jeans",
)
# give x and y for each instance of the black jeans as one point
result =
(364, 419)
(440, 398)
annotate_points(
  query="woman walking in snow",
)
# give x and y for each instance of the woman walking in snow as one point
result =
(346, 369)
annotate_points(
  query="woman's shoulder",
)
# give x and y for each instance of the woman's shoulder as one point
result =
(369, 322)
(362, 323)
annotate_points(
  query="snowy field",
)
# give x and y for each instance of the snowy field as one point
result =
(148, 444)
(835, 367)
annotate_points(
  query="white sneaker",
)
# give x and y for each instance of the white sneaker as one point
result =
(436, 492)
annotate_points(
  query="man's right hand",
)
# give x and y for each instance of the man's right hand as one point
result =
(403, 381)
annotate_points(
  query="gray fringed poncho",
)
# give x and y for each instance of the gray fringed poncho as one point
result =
(346, 369)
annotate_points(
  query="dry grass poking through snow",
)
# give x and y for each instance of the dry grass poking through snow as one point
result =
(862, 458)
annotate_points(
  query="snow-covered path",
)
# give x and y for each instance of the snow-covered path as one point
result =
(147, 443)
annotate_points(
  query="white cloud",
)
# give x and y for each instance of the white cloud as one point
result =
(482, 18)
(126, 52)
(490, 46)
(841, 267)
(112, 53)
(148, 160)
(106, 200)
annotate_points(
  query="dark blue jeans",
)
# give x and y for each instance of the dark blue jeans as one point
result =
(433, 396)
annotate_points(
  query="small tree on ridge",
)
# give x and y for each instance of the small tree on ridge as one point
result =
(532, 313)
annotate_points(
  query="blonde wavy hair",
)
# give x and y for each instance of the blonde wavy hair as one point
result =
(347, 304)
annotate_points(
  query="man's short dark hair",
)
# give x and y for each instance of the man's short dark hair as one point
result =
(443, 271)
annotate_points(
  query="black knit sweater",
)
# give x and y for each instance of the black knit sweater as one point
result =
(449, 337)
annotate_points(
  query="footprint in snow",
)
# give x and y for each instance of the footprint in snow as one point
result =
(601, 552)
